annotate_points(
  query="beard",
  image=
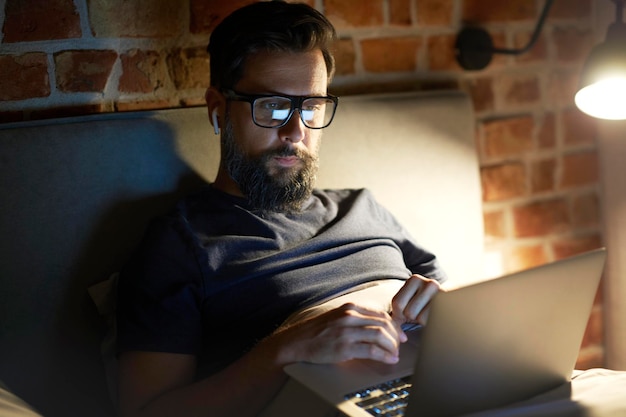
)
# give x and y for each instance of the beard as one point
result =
(283, 190)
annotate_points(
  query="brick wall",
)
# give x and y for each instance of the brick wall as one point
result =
(538, 153)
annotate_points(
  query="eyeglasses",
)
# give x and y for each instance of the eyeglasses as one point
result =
(274, 111)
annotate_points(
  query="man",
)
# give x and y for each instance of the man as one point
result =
(259, 269)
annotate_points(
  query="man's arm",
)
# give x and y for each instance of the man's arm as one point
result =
(162, 384)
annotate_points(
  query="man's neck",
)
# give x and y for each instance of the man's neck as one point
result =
(226, 184)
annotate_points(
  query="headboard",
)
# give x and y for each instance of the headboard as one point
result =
(417, 153)
(78, 192)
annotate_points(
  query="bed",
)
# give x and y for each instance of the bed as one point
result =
(78, 192)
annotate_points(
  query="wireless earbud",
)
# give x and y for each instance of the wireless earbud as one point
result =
(216, 127)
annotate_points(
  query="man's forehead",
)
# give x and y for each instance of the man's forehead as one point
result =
(294, 73)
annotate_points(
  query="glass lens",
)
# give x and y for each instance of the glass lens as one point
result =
(317, 112)
(271, 111)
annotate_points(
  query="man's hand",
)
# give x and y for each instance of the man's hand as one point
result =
(347, 332)
(411, 304)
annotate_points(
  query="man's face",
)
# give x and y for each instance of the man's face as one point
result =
(274, 168)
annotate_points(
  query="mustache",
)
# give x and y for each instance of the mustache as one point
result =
(285, 151)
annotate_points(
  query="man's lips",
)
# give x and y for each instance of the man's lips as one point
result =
(287, 161)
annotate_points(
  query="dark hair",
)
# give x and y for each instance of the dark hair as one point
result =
(267, 26)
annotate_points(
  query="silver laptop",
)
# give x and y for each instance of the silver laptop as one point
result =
(486, 345)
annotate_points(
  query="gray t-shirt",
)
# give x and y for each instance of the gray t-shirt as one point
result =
(214, 277)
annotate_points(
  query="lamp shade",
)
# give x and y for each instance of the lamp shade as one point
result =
(602, 92)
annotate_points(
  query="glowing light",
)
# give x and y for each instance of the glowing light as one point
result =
(605, 99)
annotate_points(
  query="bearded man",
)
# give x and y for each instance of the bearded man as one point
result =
(234, 284)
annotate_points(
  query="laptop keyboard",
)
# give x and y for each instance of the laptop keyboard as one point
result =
(388, 399)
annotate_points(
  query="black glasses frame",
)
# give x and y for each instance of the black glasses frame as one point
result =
(296, 104)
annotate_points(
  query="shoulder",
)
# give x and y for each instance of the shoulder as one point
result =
(205, 211)
(350, 196)
(344, 194)
(354, 200)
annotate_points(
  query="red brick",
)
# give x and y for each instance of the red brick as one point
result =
(83, 71)
(206, 14)
(400, 12)
(572, 45)
(519, 89)
(586, 210)
(579, 168)
(494, 224)
(568, 9)
(543, 175)
(67, 111)
(541, 218)
(508, 137)
(435, 12)
(354, 13)
(24, 76)
(547, 132)
(390, 54)
(523, 257)
(441, 54)
(590, 357)
(142, 72)
(578, 127)
(481, 92)
(562, 86)
(476, 11)
(499, 41)
(136, 19)
(197, 101)
(189, 68)
(37, 20)
(144, 105)
(500, 182)
(345, 57)
(565, 248)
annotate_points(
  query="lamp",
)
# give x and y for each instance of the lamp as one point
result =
(602, 92)
(474, 47)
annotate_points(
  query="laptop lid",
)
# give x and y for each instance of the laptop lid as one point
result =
(486, 345)
(504, 340)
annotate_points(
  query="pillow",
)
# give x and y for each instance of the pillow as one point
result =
(13, 406)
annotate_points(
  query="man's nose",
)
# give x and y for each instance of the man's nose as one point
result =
(294, 130)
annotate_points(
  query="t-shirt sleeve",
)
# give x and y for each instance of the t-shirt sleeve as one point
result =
(159, 293)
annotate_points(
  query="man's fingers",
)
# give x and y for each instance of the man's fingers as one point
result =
(411, 302)
(373, 342)
(348, 332)
(359, 316)
(373, 351)
(418, 306)
(406, 293)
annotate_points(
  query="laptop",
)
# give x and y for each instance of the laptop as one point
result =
(486, 345)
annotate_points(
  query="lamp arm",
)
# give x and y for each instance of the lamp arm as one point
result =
(535, 35)
(474, 46)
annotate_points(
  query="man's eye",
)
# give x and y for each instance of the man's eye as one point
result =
(312, 107)
(274, 104)
(315, 104)
(270, 105)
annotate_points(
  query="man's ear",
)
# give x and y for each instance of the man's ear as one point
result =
(215, 105)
